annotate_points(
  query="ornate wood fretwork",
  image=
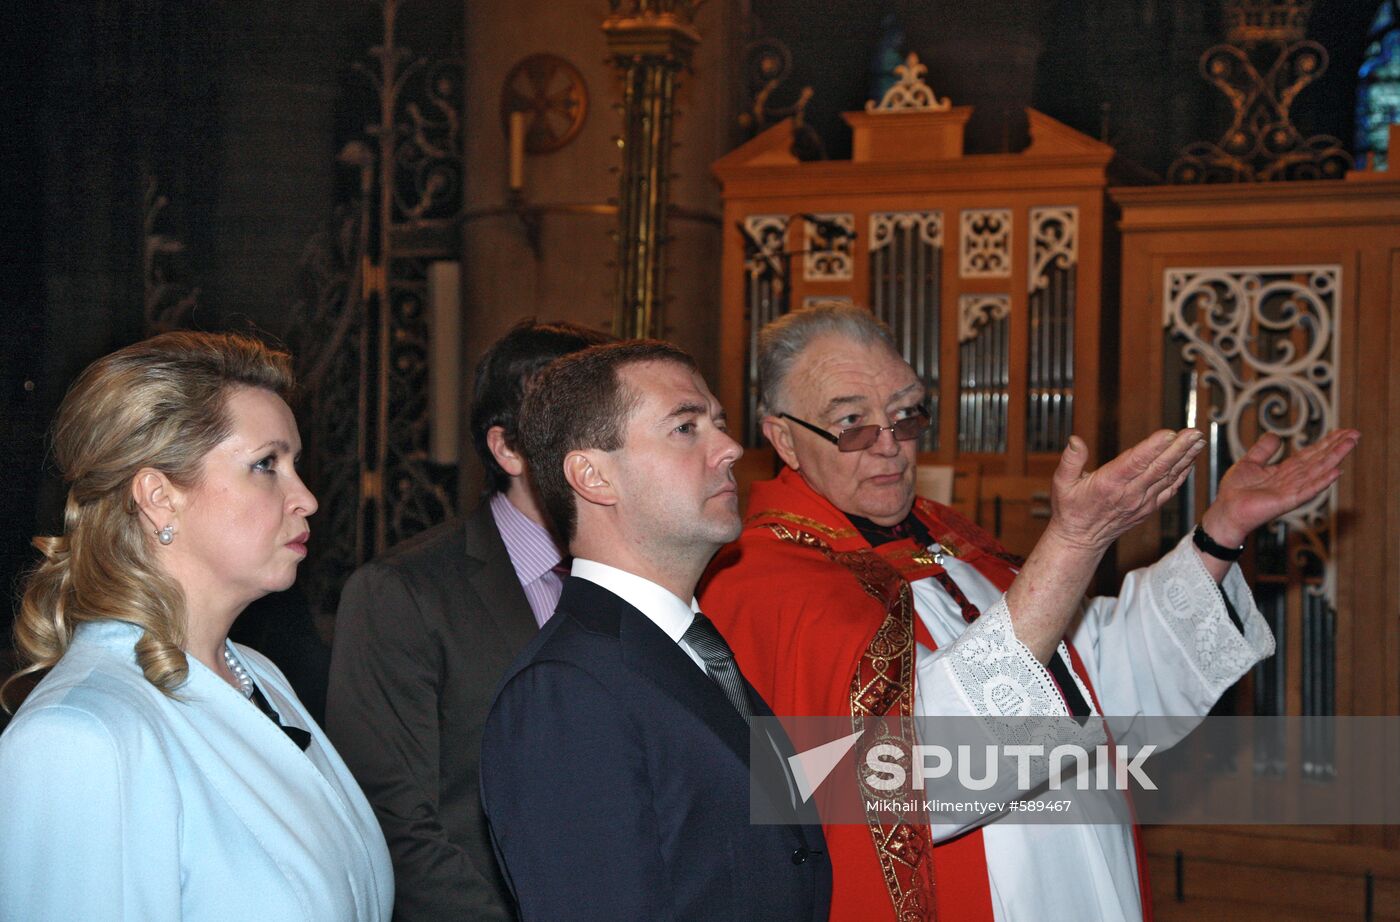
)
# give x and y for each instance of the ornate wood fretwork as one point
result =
(1054, 261)
(985, 246)
(826, 255)
(1054, 243)
(766, 236)
(361, 330)
(910, 93)
(885, 225)
(906, 278)
(1260, 352)
(1264, 340)
(976, 311)
(650, 41)
(766, 265)
(983, 372)
(1261, 71)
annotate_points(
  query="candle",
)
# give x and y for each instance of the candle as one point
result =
(444, 359)
(517, 151)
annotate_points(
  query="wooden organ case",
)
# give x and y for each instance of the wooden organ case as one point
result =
(1270, 306)
(988, 268)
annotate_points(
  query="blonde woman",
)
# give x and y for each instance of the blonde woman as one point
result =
(158, 771)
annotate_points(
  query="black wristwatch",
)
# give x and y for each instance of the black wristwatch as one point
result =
(1208, 545)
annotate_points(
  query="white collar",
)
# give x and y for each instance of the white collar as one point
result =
(665, 609)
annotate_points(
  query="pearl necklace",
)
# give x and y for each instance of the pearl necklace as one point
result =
(240, 675)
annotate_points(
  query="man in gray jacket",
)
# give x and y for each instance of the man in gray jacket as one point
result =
(424, 634)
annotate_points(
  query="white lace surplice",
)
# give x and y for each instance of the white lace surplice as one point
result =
(1165, 646)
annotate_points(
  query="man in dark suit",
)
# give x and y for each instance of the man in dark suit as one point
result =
(616, 762)
(423, 636)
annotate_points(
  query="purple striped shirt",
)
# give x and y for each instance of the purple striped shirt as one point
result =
(534, 555)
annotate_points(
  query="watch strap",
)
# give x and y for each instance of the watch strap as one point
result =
(1208, 545)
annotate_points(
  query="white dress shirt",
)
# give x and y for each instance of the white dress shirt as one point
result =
(661, 605)
(674, 617)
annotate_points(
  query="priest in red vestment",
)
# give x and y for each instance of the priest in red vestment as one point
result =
(848, 596)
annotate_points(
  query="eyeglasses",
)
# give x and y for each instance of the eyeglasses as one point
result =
(859, 438)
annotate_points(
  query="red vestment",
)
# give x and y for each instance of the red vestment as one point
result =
(822, 624)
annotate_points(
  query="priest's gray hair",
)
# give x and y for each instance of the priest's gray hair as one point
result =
(781, 342)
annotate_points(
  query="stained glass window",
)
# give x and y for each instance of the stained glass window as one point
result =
(1378, 91)
(889, 53)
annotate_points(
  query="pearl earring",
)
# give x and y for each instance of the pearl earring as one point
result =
(166, 535)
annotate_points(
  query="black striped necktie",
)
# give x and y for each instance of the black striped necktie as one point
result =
(702, 637)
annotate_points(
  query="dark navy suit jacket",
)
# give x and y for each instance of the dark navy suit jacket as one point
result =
(615, 776)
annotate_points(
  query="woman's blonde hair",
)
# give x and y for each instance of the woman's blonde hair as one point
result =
(162, 404)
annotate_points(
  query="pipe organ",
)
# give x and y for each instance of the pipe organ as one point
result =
(1270, 307)
(987, 268)
(1246, 308)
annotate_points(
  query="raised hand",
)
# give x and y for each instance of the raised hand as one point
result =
(1091, 510)
(1254, 492)
(1088, 513)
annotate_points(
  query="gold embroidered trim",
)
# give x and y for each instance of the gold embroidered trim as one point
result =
(802, 521)
(806, 539)
(883, 686)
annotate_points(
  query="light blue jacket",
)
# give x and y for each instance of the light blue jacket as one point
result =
(120, 803)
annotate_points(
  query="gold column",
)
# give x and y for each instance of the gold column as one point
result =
(650, 42)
